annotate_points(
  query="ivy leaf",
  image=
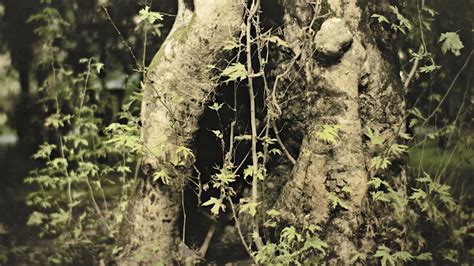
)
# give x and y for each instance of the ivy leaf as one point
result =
(451, 42)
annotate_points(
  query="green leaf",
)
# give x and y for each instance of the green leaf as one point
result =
(425, 256)
(44, 151)
(346, 189)
(289, 235)
(216, 106)
(397, 149)
(146, 15)
(403, 256)
(273, 213)
(384, 254)
(248, 206)
(451, 42)
(328, 134)
(380, 18)
(216, 205)
(248, 172)
(419, 194)
(163, 176)
(380, 196)
(243, 137)
(376, 182)
(430, 11)
(405, 136)
(218, 134)
(276, 40)
(36, 218)
(230, 45)
(358, 257)
(234, 72)
(404, 23)
(374, 136)
(428, 69)
(379, 163)
(316, 244)
(336, 201)
(98, 67)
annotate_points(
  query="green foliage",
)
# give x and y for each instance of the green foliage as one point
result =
(450, 41)
(329, 134)
(146, 15)
(234, 72)
(294, 247)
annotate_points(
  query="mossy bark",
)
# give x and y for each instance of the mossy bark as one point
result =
(177, 87)
(353, 90)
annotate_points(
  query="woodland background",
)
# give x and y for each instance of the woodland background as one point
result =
(66, 66)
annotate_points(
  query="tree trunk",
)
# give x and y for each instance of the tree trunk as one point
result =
(347, 82)
(339, 79)
(177, 87)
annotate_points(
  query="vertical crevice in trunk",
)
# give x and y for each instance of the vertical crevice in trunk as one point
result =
(178, 85)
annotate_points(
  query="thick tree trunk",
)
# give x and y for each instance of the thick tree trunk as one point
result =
(340, 78)
(347, 83)
(178, 85)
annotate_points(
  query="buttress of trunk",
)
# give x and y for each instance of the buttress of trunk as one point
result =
(178, 86)
(348, 87)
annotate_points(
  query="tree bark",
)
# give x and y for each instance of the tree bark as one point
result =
(340, 78)
(178, 85)
(354, 88)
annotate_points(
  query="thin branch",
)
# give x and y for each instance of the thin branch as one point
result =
(282, 146)
(449, 89)
(122, 38)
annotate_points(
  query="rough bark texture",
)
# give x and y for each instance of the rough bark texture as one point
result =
(178, 85)
(347, 83)
(340, 78)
